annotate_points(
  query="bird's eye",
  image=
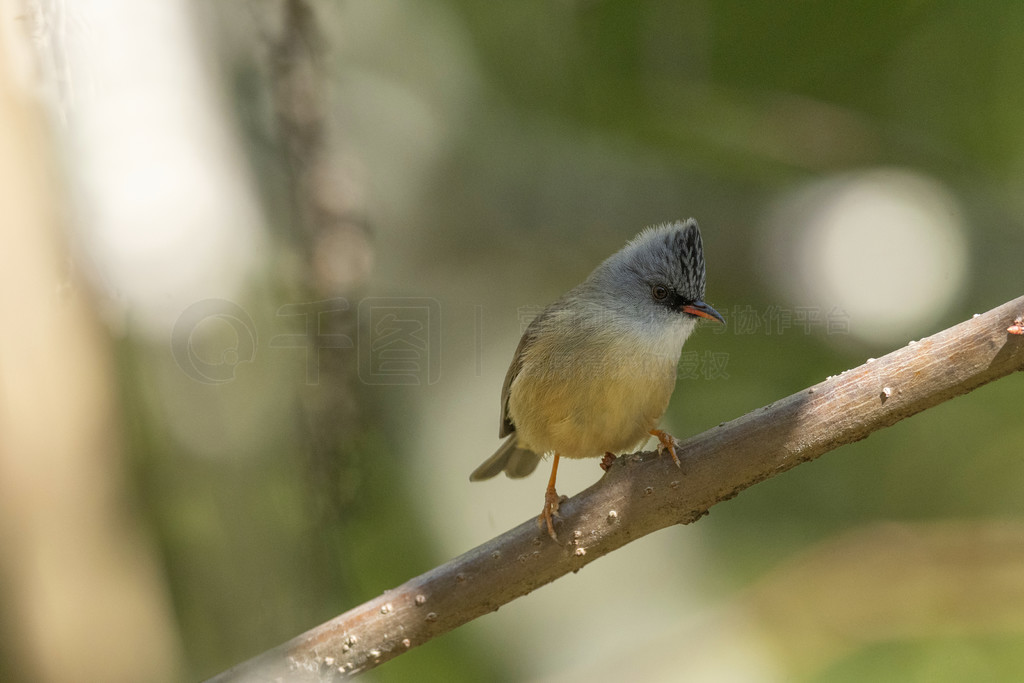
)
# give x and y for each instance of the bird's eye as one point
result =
(659, 292)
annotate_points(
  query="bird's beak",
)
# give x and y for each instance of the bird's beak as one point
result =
(702, 310)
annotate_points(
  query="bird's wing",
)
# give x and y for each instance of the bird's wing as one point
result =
(528, 338)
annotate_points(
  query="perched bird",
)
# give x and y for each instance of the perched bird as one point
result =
(594, 372)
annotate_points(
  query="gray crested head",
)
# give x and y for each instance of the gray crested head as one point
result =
(673, 252)
(660, 270)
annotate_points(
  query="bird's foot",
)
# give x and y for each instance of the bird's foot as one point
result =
(607, 461)
(666, 442)
(551, 502)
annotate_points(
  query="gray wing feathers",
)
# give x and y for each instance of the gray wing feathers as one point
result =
(516, 462)
(507, 426)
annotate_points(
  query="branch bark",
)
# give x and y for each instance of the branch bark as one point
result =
(642, 493)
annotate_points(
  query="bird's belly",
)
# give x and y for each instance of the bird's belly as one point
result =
(605, 412)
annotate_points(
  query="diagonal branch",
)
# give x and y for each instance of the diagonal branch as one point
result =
(643, 493)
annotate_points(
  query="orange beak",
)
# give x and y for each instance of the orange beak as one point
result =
(702, 310)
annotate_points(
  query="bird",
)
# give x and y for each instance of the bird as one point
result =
(594, 371)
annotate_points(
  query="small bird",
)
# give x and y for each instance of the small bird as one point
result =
(594, 372)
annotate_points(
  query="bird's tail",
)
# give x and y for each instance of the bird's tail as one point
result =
(516, 462)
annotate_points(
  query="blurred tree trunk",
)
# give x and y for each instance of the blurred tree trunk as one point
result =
(83, 595)
(327, 224)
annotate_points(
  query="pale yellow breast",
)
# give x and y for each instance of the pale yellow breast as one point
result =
(603, 396)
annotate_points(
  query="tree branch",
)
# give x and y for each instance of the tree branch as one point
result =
(643, 493)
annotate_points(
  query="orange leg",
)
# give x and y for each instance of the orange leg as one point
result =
(666, 443)
(551, 501)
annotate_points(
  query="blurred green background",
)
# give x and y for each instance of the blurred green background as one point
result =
(858, 173)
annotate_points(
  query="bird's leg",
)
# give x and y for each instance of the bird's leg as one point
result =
(666, 442)
(551, 501)
(607, 461)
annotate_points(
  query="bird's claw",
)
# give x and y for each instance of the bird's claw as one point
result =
(667, 442)
(607, 461)
(551, 502)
